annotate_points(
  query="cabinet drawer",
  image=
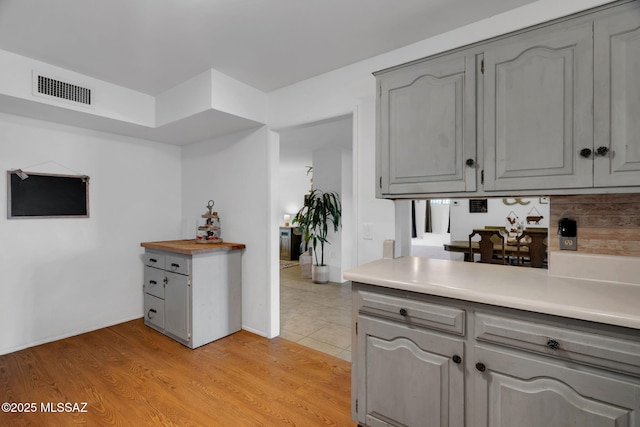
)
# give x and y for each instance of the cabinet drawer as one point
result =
(178, 265)
(412, 312)
(614, 353)
(154, 281)
(154, 260)
(154, 311)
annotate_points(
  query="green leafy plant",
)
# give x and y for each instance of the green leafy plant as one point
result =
(320, 209)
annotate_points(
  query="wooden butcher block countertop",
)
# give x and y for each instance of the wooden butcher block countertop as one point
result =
(190, 247)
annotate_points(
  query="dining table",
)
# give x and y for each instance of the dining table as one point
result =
(531, 246)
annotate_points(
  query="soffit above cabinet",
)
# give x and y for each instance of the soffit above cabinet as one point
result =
(198, 127)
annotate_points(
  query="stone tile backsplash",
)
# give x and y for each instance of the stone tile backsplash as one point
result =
(608, 224)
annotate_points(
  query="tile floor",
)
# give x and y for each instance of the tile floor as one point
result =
(316, 316)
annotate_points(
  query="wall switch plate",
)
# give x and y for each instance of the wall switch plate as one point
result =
(367, 231)
(568, 243)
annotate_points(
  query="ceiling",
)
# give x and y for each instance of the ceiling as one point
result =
(153, 45)
(297, 144)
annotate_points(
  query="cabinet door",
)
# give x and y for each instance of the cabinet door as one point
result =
(177, 303)
(527, 391)
(617, 100)
(408, 377)
(538, 94)
(426, 127)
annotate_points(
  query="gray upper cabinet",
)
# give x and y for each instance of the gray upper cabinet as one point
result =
(538, 110)
(426, 127)
(617, 99)
(551, 109)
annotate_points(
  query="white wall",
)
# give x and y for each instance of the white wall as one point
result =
(61, 277)
(294, 183)
(463, 222)
(332, 169)
(233, 171)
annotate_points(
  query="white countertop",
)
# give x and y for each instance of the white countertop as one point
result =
(523, 288)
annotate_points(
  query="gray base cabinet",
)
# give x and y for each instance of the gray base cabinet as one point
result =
(194, 299)
(420, 360)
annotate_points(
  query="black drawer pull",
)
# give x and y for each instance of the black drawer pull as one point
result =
(151, 310)
(456, 359)
(174, 265)
(553, 344)
(403, 312)
(480, 367)
(153, 282)
(153, 260)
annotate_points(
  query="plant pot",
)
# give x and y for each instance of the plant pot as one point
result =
(320, 273)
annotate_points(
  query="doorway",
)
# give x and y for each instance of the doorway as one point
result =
(318, 154)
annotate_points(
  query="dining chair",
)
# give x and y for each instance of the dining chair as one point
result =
(489, 238)
(535, 241)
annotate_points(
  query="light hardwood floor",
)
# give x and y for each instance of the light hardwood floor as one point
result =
(131, 375)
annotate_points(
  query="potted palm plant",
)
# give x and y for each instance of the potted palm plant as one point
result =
(313, 219)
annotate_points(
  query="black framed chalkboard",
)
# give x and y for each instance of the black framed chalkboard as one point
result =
(38, 195)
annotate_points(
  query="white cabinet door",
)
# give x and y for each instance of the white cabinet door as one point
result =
(538, 94)
(408, 377)
(617, 100)
(177, 302)
(527, 391)
(426, 127)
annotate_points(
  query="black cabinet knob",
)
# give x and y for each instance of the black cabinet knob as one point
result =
(553, 344)
(602, 151)
(153, 282)
(585, 152)
(480, 367)
(456, 359)
(403, 312)
(470, 162)
(149, 313)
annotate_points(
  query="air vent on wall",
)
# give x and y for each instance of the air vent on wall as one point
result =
(58, 89)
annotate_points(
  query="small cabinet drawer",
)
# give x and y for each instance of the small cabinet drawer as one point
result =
(154, 311)
(610, 352)
(413, 312)
(154, 260)
(154, 281)
(178, 265)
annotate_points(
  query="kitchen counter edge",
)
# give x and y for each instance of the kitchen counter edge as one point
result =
(521, 288)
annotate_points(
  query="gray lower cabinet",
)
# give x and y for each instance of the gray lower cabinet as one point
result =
(194, 299)
(426, 127)
(420, 360)
(520, 390)
(407, 375)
